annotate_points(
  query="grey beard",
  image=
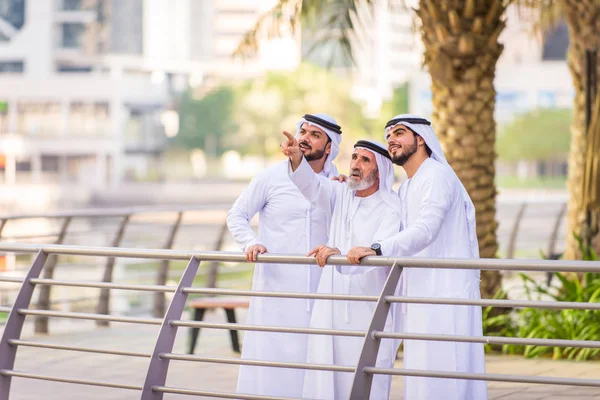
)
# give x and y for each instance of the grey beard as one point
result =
(363, 184)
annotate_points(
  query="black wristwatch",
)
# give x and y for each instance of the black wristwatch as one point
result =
(376, 247)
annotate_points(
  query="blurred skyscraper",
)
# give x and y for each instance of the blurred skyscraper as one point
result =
(86, 86)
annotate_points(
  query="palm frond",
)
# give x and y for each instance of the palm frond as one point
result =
(542, 15)
(285, 15)
(337, 23)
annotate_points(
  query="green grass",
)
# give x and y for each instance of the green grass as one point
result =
(512, 182)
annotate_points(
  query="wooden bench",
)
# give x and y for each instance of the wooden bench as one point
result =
(229, 305)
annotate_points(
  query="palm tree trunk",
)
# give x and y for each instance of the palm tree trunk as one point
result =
(461, 51)
(583, 19)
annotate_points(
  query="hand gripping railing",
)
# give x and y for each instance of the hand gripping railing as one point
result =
(155, 383)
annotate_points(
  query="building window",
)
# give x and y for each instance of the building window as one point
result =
(556, 43)
(7, 67)
(71, 4)
(67, 68)
(13, 12)
(39, 118)
(72, 34)
(89, 119)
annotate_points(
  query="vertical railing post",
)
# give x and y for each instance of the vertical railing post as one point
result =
(15, 321)
(104, 299)
(163, 270)
(158, 367)
(361, 387)
(2, 223)
(554, 234)
(41, 323)
(512, 242)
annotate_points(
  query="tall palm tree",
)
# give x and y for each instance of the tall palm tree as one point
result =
(461, 51)
(583, 20)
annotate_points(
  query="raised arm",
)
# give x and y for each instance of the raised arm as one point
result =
(317, 189)
(437, 195)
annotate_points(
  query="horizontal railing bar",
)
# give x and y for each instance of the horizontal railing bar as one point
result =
(240, 327)
(558, 305)
(238, 361)
(221, 395)
(118, 212)
(19, 374)
(546, 380)
(12, 279)
(94, 317)
(26, 343)
(490, 339)
(412, 262)
(5, 309)
(283, 295)
(105, 285)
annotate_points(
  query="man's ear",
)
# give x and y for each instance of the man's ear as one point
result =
(328, 148)
(420, 141)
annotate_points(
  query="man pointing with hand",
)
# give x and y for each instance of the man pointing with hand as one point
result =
(363, 211)
(288, 223)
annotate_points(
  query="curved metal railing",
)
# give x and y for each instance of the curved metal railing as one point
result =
(155, 384)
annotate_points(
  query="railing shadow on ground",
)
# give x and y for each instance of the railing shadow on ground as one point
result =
(155, 384)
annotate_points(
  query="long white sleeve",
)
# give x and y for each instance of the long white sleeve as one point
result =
(317, 189)
(250, 201)
(436, 194)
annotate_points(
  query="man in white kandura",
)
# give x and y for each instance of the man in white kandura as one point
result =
(364, 210)
(438, 219)
(288, 223)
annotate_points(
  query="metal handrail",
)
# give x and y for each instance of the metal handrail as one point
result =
(11, 373)
(117, 212)
(99, 285)
(231, 326)
(406, 262)
(557, 305)
(155, 386)
(489, 339)
(40, 345)
(281, 295)
(12, 279)
(220, 395)
(259, 363)
(546, 380)
(90, 316)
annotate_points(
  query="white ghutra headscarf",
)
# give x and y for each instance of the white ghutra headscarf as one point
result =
(386, 171)
(422, 127)
(333, 130)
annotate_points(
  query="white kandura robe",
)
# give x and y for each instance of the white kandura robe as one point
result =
(356, 221)
(288, 223)
(434, 226)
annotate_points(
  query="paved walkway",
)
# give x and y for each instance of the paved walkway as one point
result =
(216, 377)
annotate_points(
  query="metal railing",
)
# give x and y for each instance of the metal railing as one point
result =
(155, 384)
(126, 216)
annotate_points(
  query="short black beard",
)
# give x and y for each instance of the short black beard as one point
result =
(315, 155)
(402, 158)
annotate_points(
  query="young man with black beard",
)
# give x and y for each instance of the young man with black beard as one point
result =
(438, 219)
(288, 223)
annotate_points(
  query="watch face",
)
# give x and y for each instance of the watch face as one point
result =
(376, 247)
